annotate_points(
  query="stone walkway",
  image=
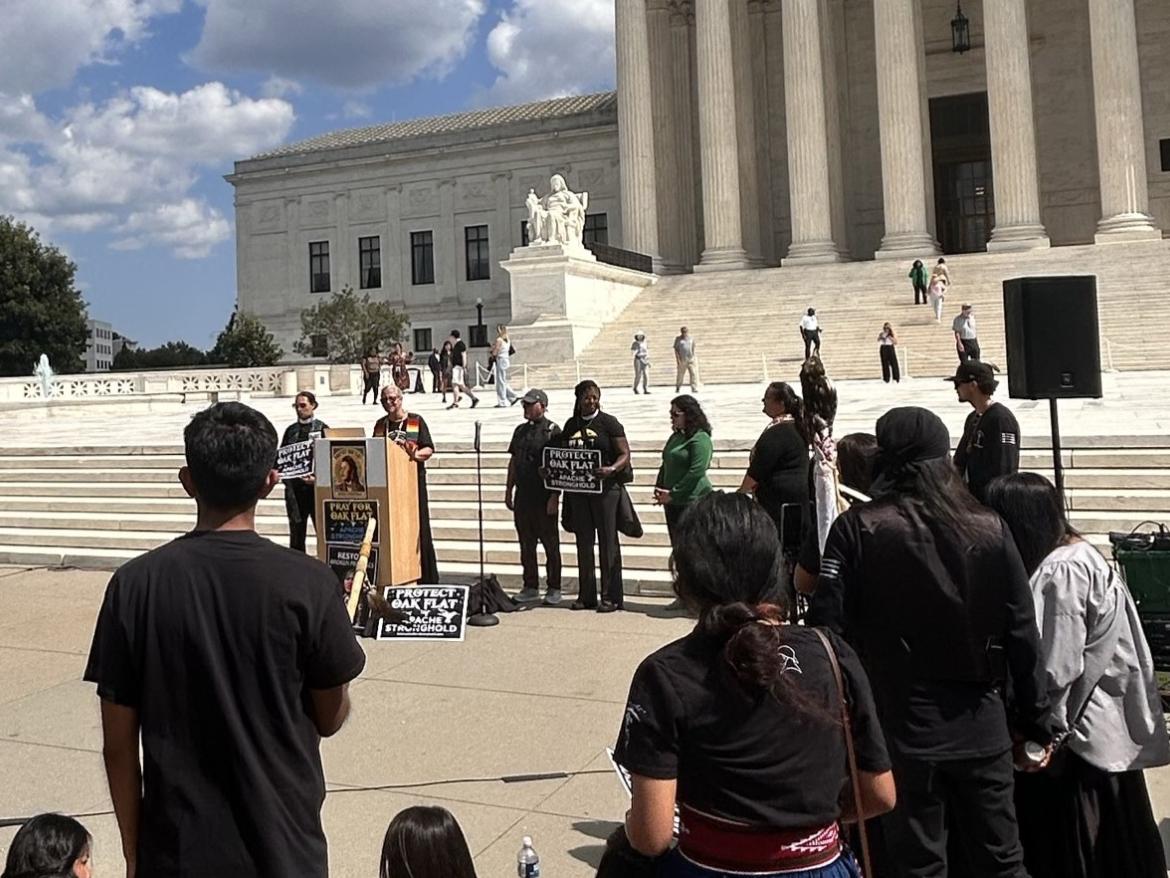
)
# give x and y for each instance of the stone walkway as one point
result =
(1135, 404)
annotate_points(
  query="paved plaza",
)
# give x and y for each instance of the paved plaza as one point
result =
(1134, 406)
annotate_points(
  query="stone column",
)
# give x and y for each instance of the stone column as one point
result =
(682, 82)
(758, 29)
(395, 267)
(636, 131)
(342, 263)
(1121, 145)
(723, 230)
(448, 247)
(666, 136)
(1013, 136)
(808, 147)
(745, 131)
(298, 259)
(500, 236)
(903, 139)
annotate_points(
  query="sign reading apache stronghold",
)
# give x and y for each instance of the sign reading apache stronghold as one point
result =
(572, 469)
(434, 612)
(295, 460)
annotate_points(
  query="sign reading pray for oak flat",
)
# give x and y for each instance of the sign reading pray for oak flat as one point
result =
(572, 469)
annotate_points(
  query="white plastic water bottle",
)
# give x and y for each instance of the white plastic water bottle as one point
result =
(527, 861)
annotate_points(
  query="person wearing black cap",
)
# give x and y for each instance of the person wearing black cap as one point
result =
(990, 445)
(534, 507)
(928, 587)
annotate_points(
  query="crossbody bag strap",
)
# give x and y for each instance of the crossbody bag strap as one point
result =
(850, 752)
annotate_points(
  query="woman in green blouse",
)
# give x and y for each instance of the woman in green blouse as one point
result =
(682, 478)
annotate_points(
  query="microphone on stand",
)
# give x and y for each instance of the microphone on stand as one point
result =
(482, 618)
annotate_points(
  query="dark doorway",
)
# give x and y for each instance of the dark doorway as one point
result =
(964, 198)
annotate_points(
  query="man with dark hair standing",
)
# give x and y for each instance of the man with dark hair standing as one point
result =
(534, 507)
(990, 445)
(459, 371)
(229, 658)
(966, 337)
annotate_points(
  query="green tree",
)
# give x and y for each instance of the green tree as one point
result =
(351, 325)
(245, 342)
(41, 312)
(167, 356)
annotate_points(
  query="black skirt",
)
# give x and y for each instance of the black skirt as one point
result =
(1077, 821)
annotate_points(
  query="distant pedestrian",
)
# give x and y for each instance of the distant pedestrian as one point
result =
(888, 352)
(459, 371)
(436, 367)
(445, 369)
(684, 357)
(398, 360)
(371, 375)
(966, 342)
(990, 445)
(502, 352)
(810, 331)
(641, 352)
(918, 278)
(940, 282)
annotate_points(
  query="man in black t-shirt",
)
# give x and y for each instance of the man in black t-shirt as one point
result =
(534, 507)
(990, 445)
(459, 380)
(230, 658)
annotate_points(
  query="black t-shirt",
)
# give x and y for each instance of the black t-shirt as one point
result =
(527, 450)
(939, 619)
(459, 354)
(215, 639)
(779, 464)
(990, 447)
(600, 432)
(749, 757)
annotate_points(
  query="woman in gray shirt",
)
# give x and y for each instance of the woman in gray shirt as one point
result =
(1087, 811)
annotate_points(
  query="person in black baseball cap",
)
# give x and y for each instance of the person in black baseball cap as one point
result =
(990, 445)
(534, 507)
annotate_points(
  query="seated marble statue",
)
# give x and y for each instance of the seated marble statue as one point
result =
(559, 217)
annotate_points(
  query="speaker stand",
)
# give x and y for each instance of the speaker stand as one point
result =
(1057, 463)
(481, 618)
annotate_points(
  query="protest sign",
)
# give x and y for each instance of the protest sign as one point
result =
(343, 560)
(345, 520)
(349, 471)
(572, 469)
(434, 612)
(295, 460)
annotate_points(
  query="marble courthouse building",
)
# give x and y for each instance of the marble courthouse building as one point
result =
(744, 133)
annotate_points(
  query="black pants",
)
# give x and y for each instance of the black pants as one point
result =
(299, 496)
(534, 523)
(674, 514)
(372, 379)
(436, 381)
(812, 339)
(973, 797)
(889, 357)
(920, 294)
(970, 349)
(594, 519)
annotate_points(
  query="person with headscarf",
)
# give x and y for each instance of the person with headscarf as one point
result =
(928, 586)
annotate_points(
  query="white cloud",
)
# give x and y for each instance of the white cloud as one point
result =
(354, 44)
(279, 87)
(43, 43)
(353, 109)
(549, 48)
(128, 165)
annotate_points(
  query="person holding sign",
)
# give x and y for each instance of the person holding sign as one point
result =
(298, 490)
(594, 517)
(534, 507)
(410, 432)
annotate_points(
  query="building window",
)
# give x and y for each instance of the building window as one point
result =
(477, 336)
(422, 258)
(1164, 146)
(523, 233)
(319, 345)
(370, 262)
(479, 265)
(318, 266)
(596, 229)
(422, 340)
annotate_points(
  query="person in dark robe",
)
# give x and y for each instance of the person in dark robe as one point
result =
(410, 432)
(298, 492)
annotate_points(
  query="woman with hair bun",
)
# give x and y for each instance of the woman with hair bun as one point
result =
(739, 721)
(49, 846)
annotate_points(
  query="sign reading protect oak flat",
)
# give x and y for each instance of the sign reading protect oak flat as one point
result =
(295, 460)
(572, 469)
(434, 612)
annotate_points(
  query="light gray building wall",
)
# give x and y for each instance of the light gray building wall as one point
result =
(441, 176)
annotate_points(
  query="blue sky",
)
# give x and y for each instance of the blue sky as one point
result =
(119, 118)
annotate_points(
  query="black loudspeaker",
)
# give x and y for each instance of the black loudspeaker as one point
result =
(1053, 344)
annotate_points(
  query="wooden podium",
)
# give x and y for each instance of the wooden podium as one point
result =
(360, 478)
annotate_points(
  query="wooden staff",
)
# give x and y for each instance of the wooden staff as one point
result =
(359, 574)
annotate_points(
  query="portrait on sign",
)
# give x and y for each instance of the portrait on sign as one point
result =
(349, 471)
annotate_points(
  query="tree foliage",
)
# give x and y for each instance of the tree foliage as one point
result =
(41, 312)
(167, 356)
(245, 342)
(352, 325)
